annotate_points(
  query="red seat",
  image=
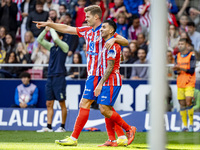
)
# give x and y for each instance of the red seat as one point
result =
(35, 74)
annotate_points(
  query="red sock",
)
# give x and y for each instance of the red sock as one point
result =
(118, 119)
(118, 129)
(80, 122)
(110, 127)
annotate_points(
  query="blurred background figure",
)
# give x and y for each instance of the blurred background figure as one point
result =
(139, 73)
(76, 72)
(126, 71)
(27, 7)
(10, 43)
(26, 94)
(10, 72)
(8, 13)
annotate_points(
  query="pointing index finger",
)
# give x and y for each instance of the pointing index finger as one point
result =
(35, 21)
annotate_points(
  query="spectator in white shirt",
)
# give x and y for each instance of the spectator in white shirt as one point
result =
(194, 35)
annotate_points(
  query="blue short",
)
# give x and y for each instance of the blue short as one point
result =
(55, 88)
(90, 86)
(108, 95)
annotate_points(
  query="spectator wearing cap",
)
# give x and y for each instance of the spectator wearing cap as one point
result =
(26, 94)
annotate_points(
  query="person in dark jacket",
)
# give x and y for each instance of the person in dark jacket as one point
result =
(8, 12)
(27, 7)
(40, 15)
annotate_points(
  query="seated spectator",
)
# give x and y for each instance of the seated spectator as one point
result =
(172, 10)
(170, 60)
(10, 72)
(173, 36)
(141, 41)
(103, 6)
(79, 13)
(144, 11)
(23, 56)
(62, 10)
(116, 8)
(2, 36)
(140, 72)
(2, 55)
(53, 15)
(122, 26)
(126, 71)
(134, 49)
(195, 17)
(77, 72)
(194, 35)
(27, 6)
(40, 56)
(49, 5)
(183, 20)
(132, 6)
(135, 28)
(26, 94)
(10, 43)
(29, 41)
(84, 54)
(8, 13)
(37, 15)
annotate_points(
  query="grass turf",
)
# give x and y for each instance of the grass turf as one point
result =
(30, 140)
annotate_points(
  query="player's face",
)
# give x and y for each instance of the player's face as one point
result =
(25, 80)
(90, 19)
(181, 46)
(105, 30)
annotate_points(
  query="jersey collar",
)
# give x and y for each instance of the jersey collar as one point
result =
(109, 38)
(97, 28)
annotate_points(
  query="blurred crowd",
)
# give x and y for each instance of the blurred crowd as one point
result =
(18, 33)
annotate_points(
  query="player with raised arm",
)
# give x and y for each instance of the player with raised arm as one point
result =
(110, 84)
(94, 44)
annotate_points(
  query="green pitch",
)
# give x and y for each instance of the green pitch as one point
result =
(30, 140)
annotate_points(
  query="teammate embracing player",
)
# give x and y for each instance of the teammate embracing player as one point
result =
(94, 44)
(110, 84)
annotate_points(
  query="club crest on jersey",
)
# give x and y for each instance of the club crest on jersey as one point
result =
(97, 38)
(91, 45)
(111, 53)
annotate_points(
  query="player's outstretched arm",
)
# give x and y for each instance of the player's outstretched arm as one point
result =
(105, 77)
(58, 27)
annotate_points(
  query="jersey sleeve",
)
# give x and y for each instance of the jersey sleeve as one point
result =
(82, 30)
(112, 53)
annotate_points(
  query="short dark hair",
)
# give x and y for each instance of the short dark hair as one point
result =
(63, 5)
(38, 2)
(25, 74)
(111, 23)
(185, 40)
(191, 24)
(68, 14)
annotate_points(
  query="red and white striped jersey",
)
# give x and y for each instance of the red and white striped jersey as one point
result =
(113, 54)
(18, 2)
(94, 45)
(145, 19)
